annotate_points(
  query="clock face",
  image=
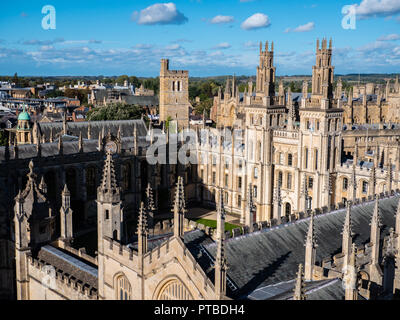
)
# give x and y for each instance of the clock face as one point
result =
(111, 147)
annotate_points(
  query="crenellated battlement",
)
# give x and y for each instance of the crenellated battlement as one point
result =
(62, 278)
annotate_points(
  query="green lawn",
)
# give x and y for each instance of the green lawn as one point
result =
(213, 224)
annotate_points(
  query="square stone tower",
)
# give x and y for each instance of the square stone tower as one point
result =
(174, 94)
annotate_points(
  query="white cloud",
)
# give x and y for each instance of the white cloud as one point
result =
(389, 37)
(251, 44)
(159, 13)
(173, 47)
(256, 21)
(222, 45)
(221, 19)
(377, 8)
(302, 28)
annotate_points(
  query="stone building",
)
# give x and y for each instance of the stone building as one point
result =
(174, 95)
(286, 166)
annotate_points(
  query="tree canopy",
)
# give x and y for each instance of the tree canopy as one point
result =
(117, 111)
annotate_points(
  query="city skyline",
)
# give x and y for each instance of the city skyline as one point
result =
(206, 38)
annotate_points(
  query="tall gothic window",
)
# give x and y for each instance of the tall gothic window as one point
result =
(174, 290)
(289, 181)
(345, 183)
(280, 178)
(365, 187)
(306, 158)
(123, 288)
(290, 159)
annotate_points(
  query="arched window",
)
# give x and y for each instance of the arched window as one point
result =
(364, 187)
(288, 210)
(123, 288)
(174, 290)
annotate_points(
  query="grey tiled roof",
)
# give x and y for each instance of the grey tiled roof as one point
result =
(96, 127)
(66, 262)
(272, 255)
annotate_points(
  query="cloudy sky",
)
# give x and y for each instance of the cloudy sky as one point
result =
(206, 37)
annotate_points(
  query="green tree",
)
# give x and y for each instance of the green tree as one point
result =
(116, 111)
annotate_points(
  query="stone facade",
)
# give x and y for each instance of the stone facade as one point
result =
(174, 94)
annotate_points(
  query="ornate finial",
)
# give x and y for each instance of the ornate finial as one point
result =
(43, 185)
(347, 227)
(80, 142)
(65, 190)
(179, 208)
(299, 289)
(109, 186)
(376, 217)
(142, 222)
(310, 240)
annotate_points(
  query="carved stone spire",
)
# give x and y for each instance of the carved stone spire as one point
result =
(350, 276)
(65, 125)
(299, 293)
(142, 231)
(80, 142)
(109, 190)
(179, 208)
(43, 186)
(311, 246)
(220, 261)
(66, 214)
(347, 236)
(60, 145)
(89, 132)
(150, 206)
(375, 270)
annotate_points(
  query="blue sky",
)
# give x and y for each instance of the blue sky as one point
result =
(102, 37)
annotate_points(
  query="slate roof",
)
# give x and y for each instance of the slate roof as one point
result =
(331, 289)
(74, 266)
(96, 127)
(272, 256)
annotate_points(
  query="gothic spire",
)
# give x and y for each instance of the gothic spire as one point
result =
(43, 185)
(311, 246)
(220, 261)
(142, 230)
(179, 208)
(150, 206)
(66, 214)
(80, 142)
(376, 217)
(299, 293)
(350, 276)
(109, 188)
(347, 235)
